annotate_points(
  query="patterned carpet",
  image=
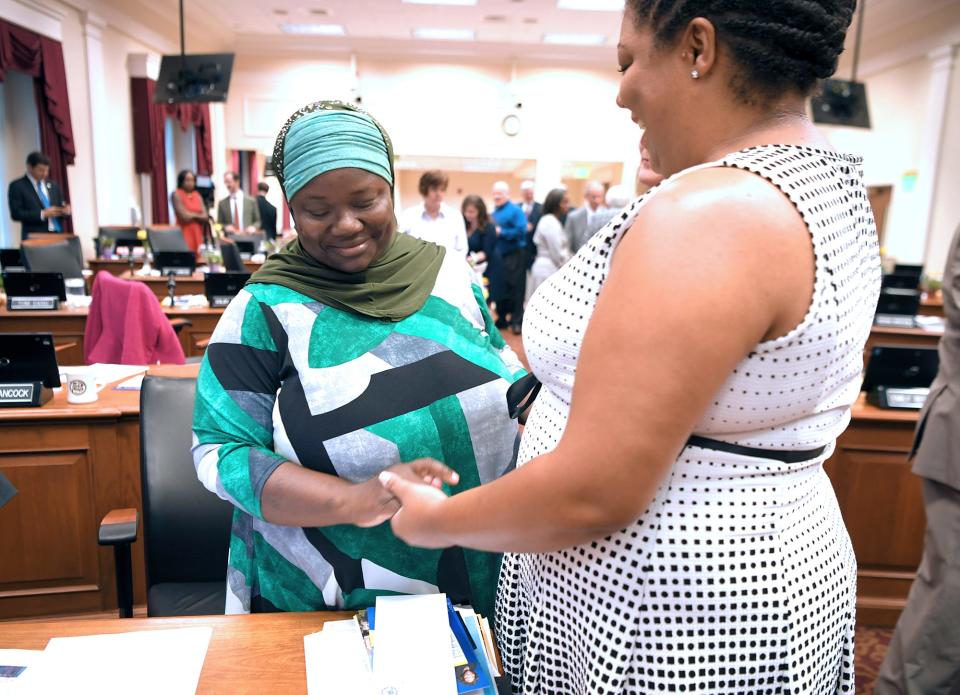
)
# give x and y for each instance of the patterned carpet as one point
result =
(871, 646)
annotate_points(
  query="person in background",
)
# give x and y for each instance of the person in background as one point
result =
(670, 526)
(352, 349)
(268, 211)
(647, 178)
(615, 200)
(532, 210)
(433, 220)
(551, 242)
(237, 212)
(188, 208)
(35, 201)
(924, 653)
(578, 221)
(482, 240)
(511, 225)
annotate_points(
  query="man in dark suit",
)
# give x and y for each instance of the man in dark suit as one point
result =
(924, 649)
(36, 203)
(532, 209)
(268, 212)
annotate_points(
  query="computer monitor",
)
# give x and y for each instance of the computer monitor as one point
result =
(245, 247)
(841, 102)
(898, 302)
(220, 288)
(117, 237)
(27, 284)
(900, 367)
(908, 269)
(12, 260)
(898, 281)
(176, 262)
(197, 77)
(26, 357)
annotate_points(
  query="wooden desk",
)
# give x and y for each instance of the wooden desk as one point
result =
(186, 284)
(932, 305)
(901, 337)
(71, 464)
(68, 326)
(882, 506)
(114, 266)
(261, 653)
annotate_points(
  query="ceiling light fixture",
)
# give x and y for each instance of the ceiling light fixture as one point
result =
(575, 39)
(313, 29)
(434, 34)
(592, 5)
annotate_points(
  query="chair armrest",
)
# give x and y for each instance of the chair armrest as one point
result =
(119, 526)
(64, 346)
(202, 344)
(179, 324)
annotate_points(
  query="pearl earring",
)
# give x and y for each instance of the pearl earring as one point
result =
(695, 74)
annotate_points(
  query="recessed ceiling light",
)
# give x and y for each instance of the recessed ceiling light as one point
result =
(440, 2)
(495, 18)
(597, 5)
(280, 12)
(434, 34)
(313, 29)
(530, 20)
(575, 39)
(319, 11)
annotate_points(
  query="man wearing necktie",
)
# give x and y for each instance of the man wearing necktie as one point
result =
(35, 201)
(237, 212)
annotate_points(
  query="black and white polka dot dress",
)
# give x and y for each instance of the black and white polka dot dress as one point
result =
(739, 577)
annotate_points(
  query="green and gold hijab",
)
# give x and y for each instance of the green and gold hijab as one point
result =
(322, 137)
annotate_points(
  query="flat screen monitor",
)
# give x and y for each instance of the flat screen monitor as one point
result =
(220, 286)
(898, 281)
(177, 262)
(193, 78)
(841, 102)
(28, 284)
(246, 247)
(28, 357)
(11, 259)
(905, 269)
(899, 302)
(901, 367)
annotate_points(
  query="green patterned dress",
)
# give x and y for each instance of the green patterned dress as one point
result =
(286, 378)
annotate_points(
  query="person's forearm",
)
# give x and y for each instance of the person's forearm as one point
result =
(531, 510)
(297, 496)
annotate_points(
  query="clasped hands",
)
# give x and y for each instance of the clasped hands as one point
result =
(408, 495)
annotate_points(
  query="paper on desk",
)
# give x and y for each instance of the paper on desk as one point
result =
(148, 662)
(412, 652)
(134, 383)
(14, 665)
(337, 661)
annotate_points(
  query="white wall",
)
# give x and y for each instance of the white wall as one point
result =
(19, 135)
(444, 109)
(946, 201)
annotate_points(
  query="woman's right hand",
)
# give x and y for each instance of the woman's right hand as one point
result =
(370, 502)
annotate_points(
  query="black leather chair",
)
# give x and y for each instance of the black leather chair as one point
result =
(186, 527)
(232, 261)
(61, 257)
(112, 236)
(166, 239)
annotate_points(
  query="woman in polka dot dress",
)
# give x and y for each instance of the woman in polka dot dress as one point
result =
(670, 526)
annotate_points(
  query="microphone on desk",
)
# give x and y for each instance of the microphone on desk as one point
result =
(171, 286)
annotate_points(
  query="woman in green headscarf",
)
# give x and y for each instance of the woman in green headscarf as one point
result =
(351, 351)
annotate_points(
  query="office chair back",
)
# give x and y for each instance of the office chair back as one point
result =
(232, 261)
(109, 235)
(59, 257)
(186, 527)
(167, 239)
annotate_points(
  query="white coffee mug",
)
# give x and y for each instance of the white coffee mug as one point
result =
(81, 385)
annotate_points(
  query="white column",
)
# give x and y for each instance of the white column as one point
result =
(103, 211)
(218, 143)
(931, 144)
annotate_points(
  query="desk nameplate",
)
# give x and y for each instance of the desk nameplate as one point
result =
(24, 394)
(33, 303)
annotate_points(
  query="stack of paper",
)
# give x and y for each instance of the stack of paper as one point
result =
(160, 662)
(407, 645)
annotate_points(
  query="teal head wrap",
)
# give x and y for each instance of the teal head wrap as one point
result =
(330, 135)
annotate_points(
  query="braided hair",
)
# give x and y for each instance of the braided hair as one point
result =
(780, 46)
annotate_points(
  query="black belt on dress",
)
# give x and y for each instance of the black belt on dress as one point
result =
(755, 452)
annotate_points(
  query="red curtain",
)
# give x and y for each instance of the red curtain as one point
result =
(42, 58)
(149, 140)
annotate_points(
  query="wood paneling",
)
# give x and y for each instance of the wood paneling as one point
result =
(882, 506)
(185, 284)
